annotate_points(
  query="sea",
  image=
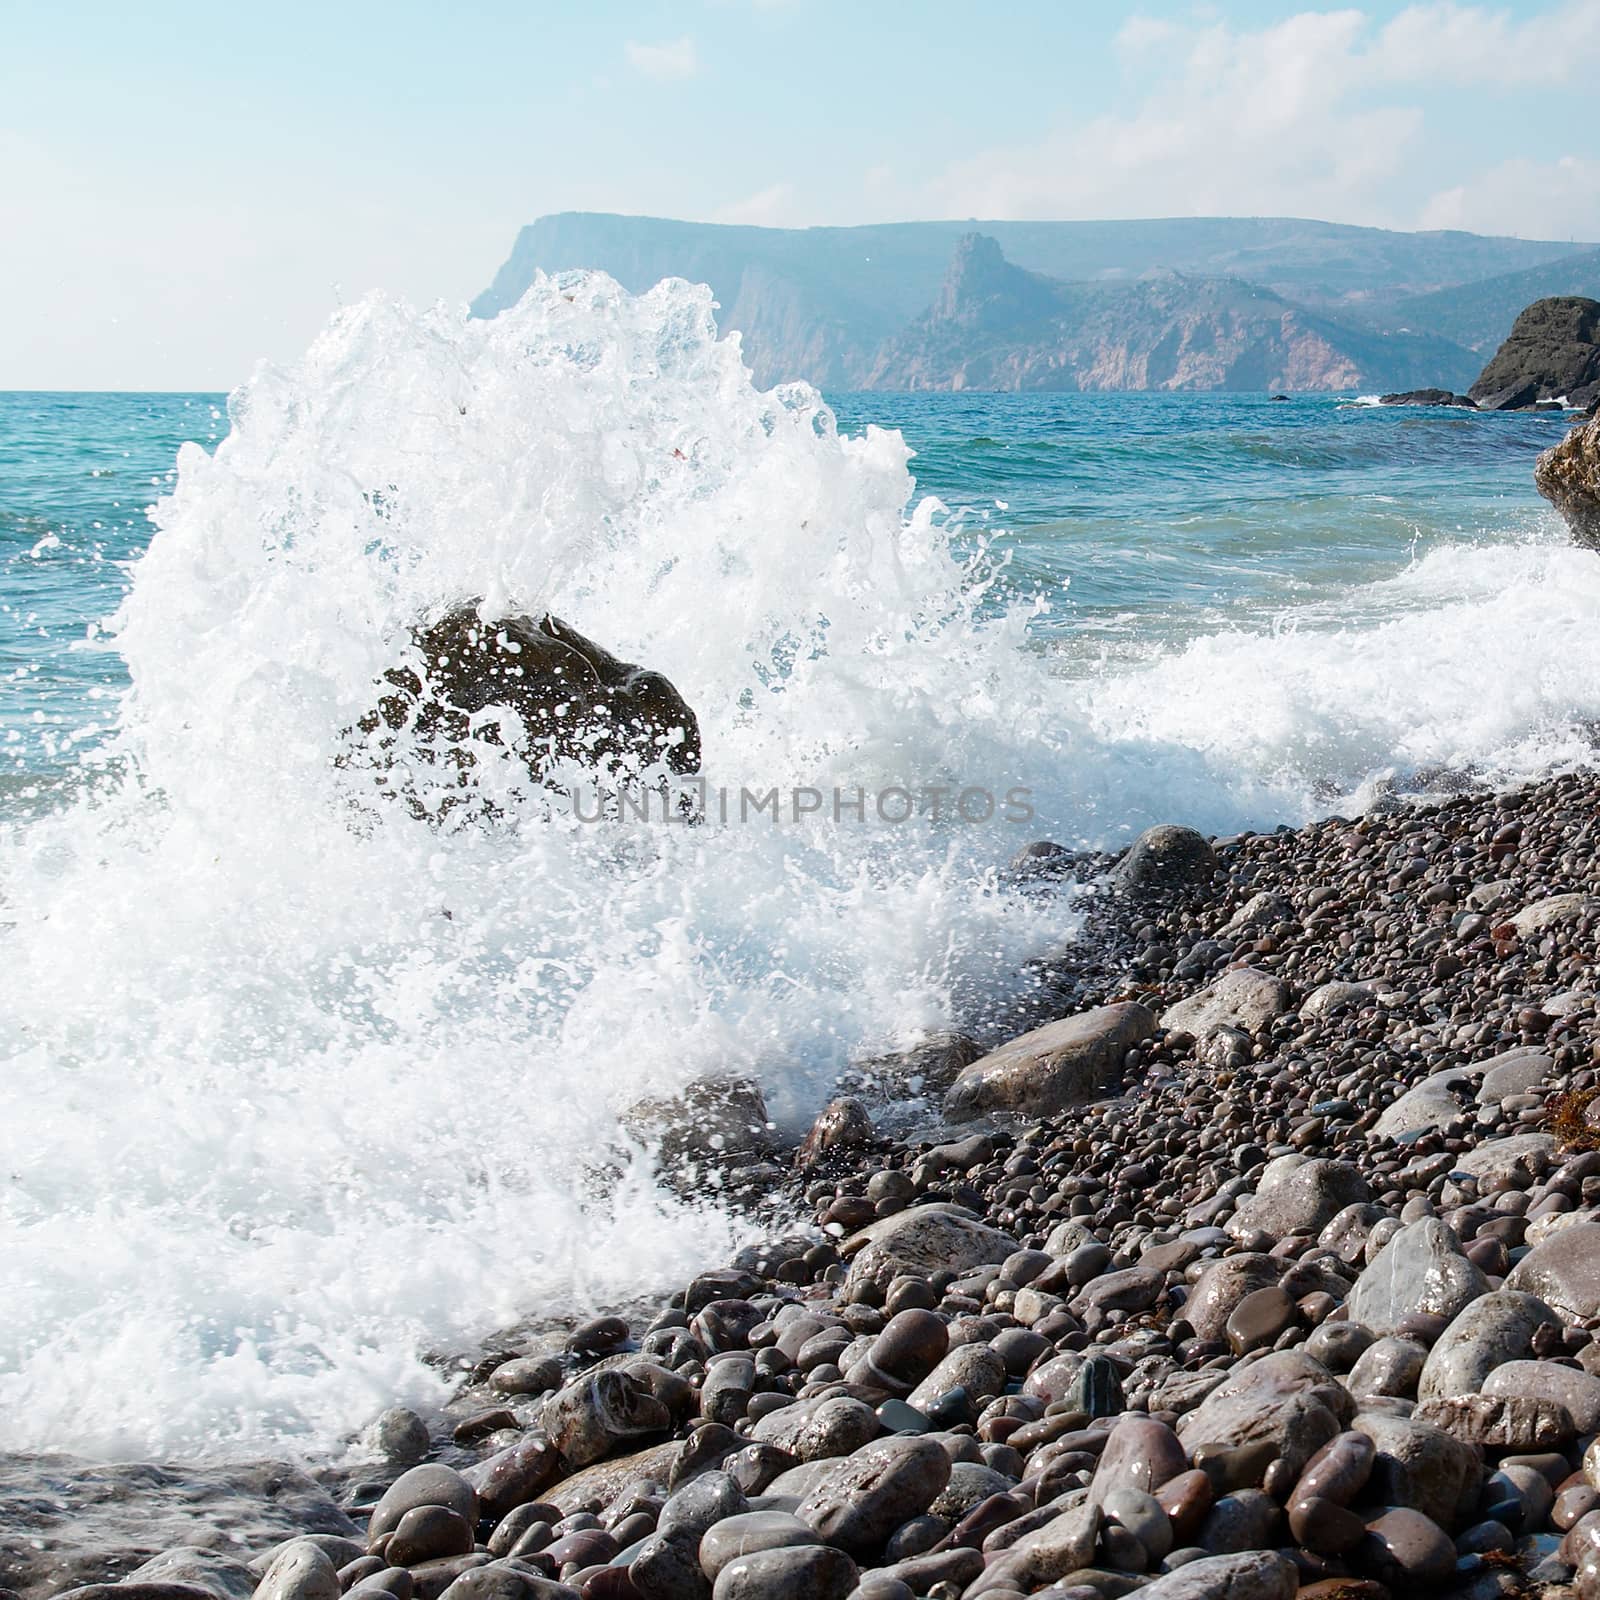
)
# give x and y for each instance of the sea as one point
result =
(302, 1092)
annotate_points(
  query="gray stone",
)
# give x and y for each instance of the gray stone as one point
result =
(1064, 1544)
(1553, 910)
(1141, 1514)
(795, 1572)
(1564, 1271)
(973, 1367)
(1243, 998)
(427, 1485)
(922, 1240)
(816, 1430)
(1299, 1196)
(300, 1571)
(1283, 1406)
(1514, 1072)
(1495, 1328)
(600, 1484)
(1222, 1286)
(1518, 1423)
(1435, 1102)
(206, 1569)
(1421, 1466)
(700, 1503)
(668, 1569)
(748, 1532)
(400, 1436)
(1132, 1289)
(1166, 857)
(880, 1486)
(1140, 1453)
(1255, 1575)
(1387, 1366)
(1325, 997)
(1044, 1071)
(1503, 1158)
(1420, 1269)
(970, 1482)
(590, 1418)
(1570, 1387)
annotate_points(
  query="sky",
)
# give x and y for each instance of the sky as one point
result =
(188, 189)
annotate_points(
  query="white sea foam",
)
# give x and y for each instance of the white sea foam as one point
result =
(279, 1125)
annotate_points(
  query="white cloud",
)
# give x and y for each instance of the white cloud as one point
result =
(1443, 42)
(1243, 122)
(1538, 199)
(1312, 115)
(667, 62)
(772, 207)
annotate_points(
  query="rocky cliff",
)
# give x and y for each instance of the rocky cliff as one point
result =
(1551, 353)
(994, 325)
(820, 303)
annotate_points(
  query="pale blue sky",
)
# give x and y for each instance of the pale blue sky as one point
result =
(187, 188)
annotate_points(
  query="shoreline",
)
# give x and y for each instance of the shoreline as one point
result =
(1134, 1345)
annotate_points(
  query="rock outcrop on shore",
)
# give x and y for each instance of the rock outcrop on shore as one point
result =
(534, 684)
(1568, 476)
(1306, 1298)
(1551, 354)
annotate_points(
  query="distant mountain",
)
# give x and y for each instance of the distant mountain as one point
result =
(995, 325)
(1480, 315)
(818, 303)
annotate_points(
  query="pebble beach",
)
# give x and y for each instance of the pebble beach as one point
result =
(1298, 1293)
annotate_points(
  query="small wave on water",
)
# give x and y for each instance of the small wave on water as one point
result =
(300, 1088)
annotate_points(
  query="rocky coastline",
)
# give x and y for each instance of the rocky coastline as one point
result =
(1271, 1263)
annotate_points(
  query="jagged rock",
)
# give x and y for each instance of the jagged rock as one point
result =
(1050, 1068)
(1522, 395)
(534, 685)
(1552, 349)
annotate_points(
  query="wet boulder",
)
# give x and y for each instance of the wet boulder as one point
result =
(1568, 476)
(1050, 1068)
(921, 1240)
(533, 685)
(1166, 858)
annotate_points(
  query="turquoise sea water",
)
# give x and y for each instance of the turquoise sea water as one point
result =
(1148, 520)
(296, 1088)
